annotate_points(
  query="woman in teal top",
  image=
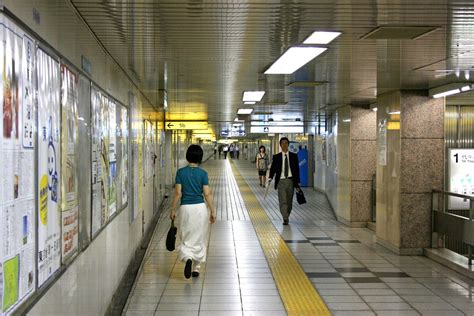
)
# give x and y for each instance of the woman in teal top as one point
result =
(192, 187)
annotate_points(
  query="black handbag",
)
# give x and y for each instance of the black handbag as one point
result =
(171, 237)
(300, 197)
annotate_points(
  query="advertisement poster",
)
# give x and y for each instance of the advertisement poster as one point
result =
(49, 162)
(69, 196)
(112, 202)
(124, 165)
(96, 144)
(134, 138)
(100, 131)
(461, 177)
(104, 158)
(148, 151)
(17, 165)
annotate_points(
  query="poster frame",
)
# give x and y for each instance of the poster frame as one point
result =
(121, 207)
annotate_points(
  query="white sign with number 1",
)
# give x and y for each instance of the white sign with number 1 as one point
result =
(461, 177)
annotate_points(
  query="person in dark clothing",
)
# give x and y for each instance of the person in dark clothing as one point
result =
(285, 169)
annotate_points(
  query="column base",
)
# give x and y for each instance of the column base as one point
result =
(397, 250)
(351, 224)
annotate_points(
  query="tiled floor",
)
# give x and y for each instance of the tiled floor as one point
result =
(351, 273)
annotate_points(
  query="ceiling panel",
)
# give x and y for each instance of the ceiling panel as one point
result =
(206, 53)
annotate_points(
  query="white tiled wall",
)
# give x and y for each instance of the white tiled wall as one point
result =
(89, 283)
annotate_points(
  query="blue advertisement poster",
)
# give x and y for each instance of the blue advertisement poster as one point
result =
(303, 162)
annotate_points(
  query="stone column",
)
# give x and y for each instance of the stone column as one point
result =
(410, 163)
(356, 155)
(363, 164)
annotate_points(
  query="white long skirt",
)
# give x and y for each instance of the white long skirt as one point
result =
(194, 230)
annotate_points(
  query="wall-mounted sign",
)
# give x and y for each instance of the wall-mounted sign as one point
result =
(461, 177)
(175, 125)
(382, 142)
(277, 129)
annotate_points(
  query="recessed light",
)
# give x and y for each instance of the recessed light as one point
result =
(244, 111)
(253, 96)
(320, 37)
(250, 102)
(293, 59)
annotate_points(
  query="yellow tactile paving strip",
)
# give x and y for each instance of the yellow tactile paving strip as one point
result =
(296, 291)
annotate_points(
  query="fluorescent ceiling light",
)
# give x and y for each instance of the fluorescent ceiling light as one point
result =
(250, 102)
(346, 120)
(293, 59)
(244, 111)
(319, 37)
(450, 89)
(394, 112)
(253, 96)
(237, 120)
(446, 93)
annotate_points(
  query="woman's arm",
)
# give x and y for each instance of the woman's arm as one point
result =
(176, 197)
(208, 198)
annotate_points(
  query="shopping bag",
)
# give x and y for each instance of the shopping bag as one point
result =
(171, 237)
(300, 197)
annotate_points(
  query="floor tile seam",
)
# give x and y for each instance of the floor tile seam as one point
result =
(147, 256)
(319, 302)
(237, 264)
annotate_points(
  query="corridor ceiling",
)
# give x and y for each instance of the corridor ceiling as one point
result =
(206, 53)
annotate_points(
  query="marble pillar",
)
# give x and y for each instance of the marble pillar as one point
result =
(355, 143)
(410, 163)
(363, 163)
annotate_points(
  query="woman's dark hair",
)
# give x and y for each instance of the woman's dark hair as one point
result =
(261, 148)
(194, 154)
(284, 138)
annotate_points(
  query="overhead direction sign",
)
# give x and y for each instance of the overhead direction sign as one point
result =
(175, 125)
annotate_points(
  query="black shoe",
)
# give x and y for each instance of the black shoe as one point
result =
(195, 274)
(285, 222)
(187, 268)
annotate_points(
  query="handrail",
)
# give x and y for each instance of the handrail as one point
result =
(446, 223)
(467, 197)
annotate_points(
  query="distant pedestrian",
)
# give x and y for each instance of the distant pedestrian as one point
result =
(231, 151)
(225, 149)
(215, 151)
(237, 153)
(220, 151)
(262, 165)
(192, 188)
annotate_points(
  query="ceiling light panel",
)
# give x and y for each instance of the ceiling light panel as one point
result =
(253, 96)
(244, 111)
(293, 59)
(320, 37)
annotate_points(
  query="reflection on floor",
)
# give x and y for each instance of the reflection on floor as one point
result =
(352, 275)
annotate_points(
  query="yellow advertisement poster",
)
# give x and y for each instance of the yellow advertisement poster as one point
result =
(10, 272)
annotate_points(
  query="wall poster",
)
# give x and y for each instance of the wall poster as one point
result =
(17, 165)
(100, 132)
(69, 190)
(49, 175)
(124, 164)
(460, 176)
(96, 145)
(112, 167)
(134, 139)
(148, 151)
